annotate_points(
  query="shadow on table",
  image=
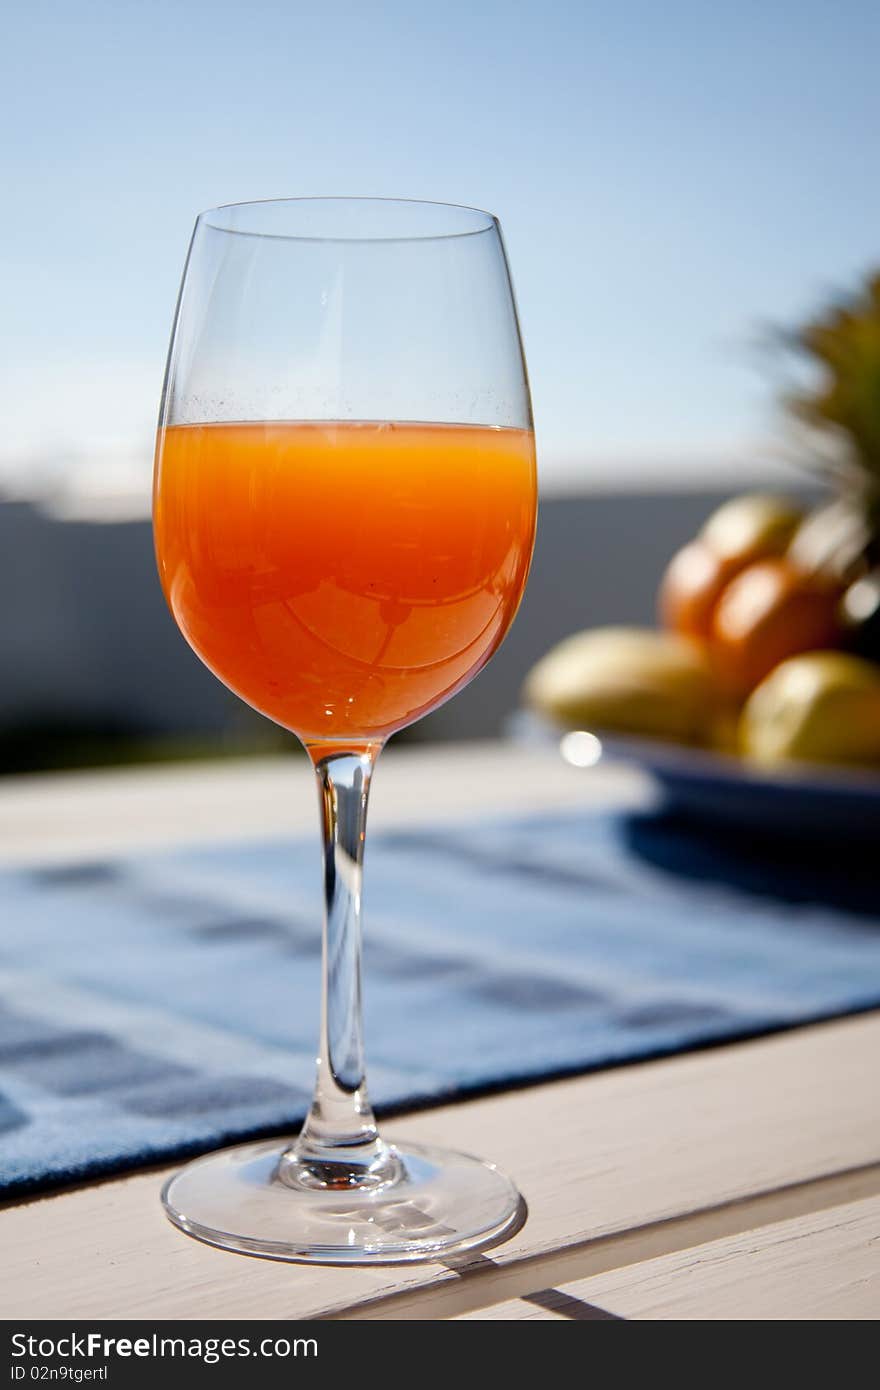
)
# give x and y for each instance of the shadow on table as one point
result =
(831, 872)
(477, 1264)
(551, 1300)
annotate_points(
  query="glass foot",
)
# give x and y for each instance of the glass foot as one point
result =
(417, 1203)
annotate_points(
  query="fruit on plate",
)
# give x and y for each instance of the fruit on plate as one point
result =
(743, 530)
(818, 707)
(769, 612)
(751, 527)
(691, 587)
(625, 680)
(753, 604)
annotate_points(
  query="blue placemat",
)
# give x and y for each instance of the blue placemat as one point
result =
(166, 1003)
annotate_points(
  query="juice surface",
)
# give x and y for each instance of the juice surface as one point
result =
(346, 578)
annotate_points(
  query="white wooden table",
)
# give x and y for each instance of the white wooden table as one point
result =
(740, 1182)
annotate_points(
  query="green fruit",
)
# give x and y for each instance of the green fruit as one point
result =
(625, 680)
(751, 527)
(818, 707)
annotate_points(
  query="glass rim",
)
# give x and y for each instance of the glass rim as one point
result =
(222, 217)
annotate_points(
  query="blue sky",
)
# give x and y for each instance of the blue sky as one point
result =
(669, 177)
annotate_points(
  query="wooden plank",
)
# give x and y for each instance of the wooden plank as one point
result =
(822, 1266)
(618, 1167)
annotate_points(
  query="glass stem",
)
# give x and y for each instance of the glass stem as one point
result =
(339, 1144)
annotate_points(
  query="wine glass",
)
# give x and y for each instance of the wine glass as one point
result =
(344, 515)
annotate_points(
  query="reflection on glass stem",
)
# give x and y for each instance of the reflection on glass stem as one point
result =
(340, 1146)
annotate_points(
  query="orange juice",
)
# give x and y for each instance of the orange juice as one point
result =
(345, 578)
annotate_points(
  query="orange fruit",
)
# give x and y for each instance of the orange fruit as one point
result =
(743, 530)
(691, 587)
(747, 528)
(767, 613)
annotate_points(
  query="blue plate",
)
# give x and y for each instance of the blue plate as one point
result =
(799, 799)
